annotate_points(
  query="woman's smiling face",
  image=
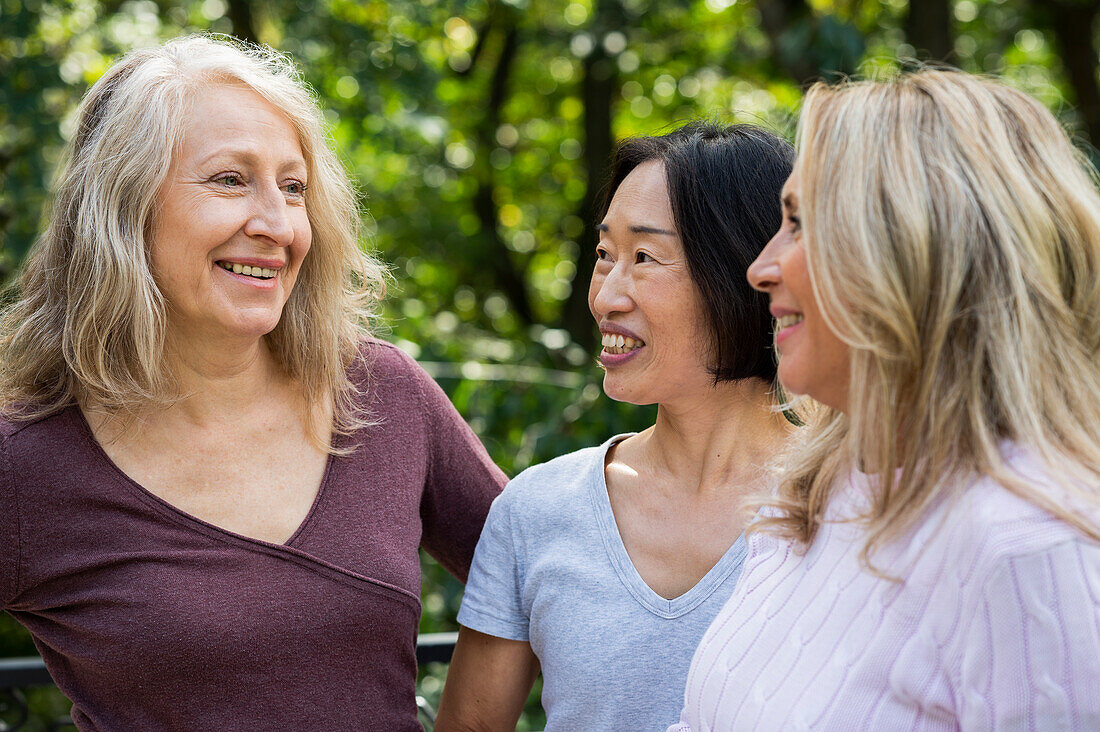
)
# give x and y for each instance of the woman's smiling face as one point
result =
(656, 345)
(231, 229)
(812, 358)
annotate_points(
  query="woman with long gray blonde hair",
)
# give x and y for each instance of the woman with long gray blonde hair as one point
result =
(931, 558)
(215, 482)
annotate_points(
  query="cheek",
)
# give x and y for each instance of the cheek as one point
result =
(166, 261)
(825, 362)
(303, 240)
(160, 240)
(684, 307)
(303, 228)
(303, 246)
(839, 354)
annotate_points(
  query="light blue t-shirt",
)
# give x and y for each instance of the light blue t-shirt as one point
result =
(551, 569)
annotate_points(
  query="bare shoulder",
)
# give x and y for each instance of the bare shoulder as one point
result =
(624, 460)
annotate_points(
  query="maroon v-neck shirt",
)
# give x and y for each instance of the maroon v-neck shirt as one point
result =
(149, 618)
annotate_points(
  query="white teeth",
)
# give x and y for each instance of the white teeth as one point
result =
(245, 269)
(787, 321)
(613, 343)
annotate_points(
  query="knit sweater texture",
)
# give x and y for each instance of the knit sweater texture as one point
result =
(993, 623)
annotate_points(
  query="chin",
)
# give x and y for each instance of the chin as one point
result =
(254, 327)
(621, 393)
(792, 384)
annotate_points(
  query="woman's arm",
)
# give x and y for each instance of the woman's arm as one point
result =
(487, 684)
(11, 553)
(460, 480)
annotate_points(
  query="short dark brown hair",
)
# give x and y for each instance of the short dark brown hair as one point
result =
(724, 182)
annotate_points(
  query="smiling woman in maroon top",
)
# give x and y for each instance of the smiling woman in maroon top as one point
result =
(214, 483)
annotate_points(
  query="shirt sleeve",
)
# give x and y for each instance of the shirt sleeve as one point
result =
(461, 482)
(493, 602)
(10, 549)
(1031, 658)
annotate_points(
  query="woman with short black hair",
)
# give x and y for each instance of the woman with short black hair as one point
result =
(605, 566)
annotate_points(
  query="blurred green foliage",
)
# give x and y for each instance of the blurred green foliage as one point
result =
(477, 132)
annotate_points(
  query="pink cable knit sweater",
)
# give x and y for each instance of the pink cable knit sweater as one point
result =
(996, 625)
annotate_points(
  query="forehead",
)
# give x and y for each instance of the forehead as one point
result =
(643, 194)
(790, 191)
(234, 117)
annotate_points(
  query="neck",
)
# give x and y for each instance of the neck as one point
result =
(222, 378)
(722, 438)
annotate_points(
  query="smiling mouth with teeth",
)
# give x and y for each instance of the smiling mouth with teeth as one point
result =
(260, 273)
(787, 321)
(620, 344)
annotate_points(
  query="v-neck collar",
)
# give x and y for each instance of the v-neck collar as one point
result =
(624, 567)
(190, 519)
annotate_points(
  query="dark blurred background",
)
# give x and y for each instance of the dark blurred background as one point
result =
(478, 133)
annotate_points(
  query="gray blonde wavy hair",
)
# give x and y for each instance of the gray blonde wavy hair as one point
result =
(87, 324)
(953, 240)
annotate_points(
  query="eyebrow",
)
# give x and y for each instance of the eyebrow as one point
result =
(229, 152)
(790, 201)
(641, 229)
(249, 157)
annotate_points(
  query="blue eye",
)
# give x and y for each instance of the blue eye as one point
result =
(295, 188)
(229, 180)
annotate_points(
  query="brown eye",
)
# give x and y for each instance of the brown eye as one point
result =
(642, 258)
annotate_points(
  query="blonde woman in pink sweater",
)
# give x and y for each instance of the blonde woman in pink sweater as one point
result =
(930, 559)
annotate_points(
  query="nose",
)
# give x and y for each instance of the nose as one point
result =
(270, 218)
(765, 273)
(610, 292)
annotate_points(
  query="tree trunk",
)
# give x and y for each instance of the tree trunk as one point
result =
(928, 29)
(1072, 23)
(499, 259)
(240, 15)
(599, 84)
(778, 17)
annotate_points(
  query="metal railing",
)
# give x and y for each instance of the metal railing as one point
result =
(17, 674)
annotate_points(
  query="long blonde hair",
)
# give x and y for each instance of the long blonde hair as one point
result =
(953, 240)
(87, 324)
